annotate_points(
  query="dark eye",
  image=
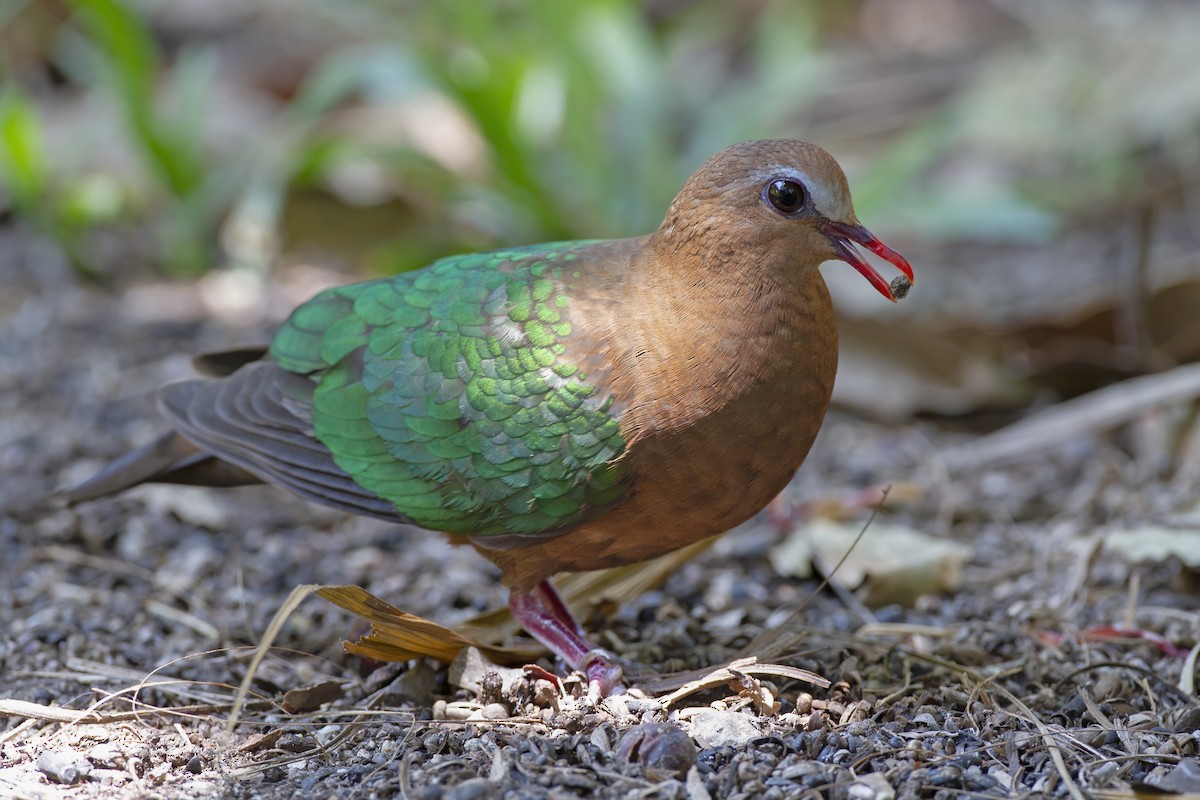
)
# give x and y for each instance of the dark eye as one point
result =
(787, 196)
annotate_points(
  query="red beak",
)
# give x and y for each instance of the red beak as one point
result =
(842, 235)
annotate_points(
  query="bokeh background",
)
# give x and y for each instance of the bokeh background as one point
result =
(1037, 161)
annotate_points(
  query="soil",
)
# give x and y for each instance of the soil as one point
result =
(1051, 667)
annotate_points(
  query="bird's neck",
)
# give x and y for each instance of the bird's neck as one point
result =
(713, 295)
(718, 331)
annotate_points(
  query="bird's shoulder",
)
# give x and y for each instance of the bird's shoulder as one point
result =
(519, 293)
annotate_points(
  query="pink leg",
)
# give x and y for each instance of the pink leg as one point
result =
(546, 617)
(558, 607)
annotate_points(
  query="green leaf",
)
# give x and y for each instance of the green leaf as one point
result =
(22, 159)
(129, 59)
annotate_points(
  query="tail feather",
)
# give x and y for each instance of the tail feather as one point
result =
(168, 459)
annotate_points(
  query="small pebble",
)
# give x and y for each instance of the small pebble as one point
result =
(640, 706)
(494, 711)
(716, 728)
(108, 777)
(198, 788)
(872, 786)
(663, 750)
(470, 789)
(64, 766)
(294, 743)
(459, 711)
(107, 754)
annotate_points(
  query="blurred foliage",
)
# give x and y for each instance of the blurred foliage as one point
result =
(514, 122)
(194, 133)
(562, 121)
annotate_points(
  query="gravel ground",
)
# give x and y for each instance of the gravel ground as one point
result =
(1054, 667)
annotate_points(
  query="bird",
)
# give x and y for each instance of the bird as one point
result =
(560, 407)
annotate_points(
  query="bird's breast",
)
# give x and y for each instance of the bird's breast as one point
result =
(714, 431)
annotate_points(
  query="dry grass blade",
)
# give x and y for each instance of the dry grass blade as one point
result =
(749, 666)
(1187, 676)
(94, 672)
(169, 613)
(239, 701)
(904, 629)
(1134, 794)
(112, 566)
(1094, 709)
(37, 711)
(92, 716)
(1048, 738)
(91, 671)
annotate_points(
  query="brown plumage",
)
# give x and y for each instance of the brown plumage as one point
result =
(710, 344)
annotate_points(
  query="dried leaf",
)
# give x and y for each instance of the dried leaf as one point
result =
(895, 564)
(399, 636)
(1155, 543)
(469, 669)
(311, 697)
(263, 742)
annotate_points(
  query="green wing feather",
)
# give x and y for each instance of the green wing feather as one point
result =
(448, 392)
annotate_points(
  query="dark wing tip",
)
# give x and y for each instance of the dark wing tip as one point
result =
(226, 362)
(146, 463)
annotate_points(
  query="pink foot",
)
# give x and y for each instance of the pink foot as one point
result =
(603, 673)
(546, 617)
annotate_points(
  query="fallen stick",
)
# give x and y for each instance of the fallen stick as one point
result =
(1100, 410)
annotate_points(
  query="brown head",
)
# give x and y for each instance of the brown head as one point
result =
(784, 201)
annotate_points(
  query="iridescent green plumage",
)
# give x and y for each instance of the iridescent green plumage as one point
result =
(449, 393)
